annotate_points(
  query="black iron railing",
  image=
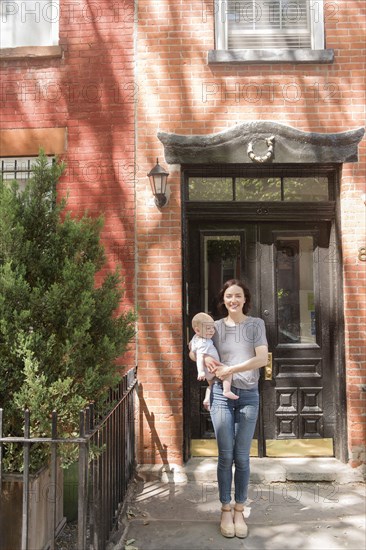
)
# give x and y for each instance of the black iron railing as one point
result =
(106, 464)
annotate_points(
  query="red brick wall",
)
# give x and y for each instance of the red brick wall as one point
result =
(90, 91)
(178, 92)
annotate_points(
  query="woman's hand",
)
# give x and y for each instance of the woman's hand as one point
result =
(222, 372)
(211, 363)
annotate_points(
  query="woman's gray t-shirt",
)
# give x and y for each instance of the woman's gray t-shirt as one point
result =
(237, 344)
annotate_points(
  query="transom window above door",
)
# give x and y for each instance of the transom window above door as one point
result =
(240, 189)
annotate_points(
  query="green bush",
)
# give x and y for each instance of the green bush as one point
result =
(60, 335)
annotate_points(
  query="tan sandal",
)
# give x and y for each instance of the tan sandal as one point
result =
(227, 530)
(241, 528)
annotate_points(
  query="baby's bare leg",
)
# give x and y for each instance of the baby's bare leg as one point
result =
(226, 388)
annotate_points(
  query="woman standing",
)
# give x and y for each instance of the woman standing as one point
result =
(242, 346)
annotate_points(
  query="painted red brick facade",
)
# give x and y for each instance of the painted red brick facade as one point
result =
(89, 90)
(127, 72)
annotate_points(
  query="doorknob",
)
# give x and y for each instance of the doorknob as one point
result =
(268, 368)
(266, 312)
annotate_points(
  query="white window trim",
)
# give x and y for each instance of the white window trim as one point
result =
(55, 29)
(316, 25)
(220, 26)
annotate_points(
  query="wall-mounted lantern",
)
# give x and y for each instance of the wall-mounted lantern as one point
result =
(158, 180)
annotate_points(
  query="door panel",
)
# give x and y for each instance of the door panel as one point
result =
(216, 255)
(285, 268)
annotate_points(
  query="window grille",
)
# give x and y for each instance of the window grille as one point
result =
(18, 168)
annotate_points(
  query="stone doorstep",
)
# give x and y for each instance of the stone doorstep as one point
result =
(263, 470)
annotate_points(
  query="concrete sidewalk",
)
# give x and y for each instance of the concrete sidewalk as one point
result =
(309, 504)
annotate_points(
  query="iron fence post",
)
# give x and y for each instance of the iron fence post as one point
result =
(83, 485)
(26, 452)
(53, 492)
(1, 451)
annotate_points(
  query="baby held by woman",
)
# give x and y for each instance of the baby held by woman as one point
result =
(202, 345)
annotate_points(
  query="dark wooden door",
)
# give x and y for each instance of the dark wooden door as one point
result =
(288, 269)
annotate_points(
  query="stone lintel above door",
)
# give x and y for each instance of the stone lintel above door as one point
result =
(260, 143)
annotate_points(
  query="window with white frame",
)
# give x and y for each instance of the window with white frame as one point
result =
(19, 169)
(29, 23)
(269, 24)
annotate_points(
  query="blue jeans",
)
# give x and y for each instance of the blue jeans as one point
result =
(234, 424)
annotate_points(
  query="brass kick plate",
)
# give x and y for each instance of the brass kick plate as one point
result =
(208, 447)
(275, 448)
(299, 447)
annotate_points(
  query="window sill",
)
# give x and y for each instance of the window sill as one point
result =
(245, 57)
(30, 52)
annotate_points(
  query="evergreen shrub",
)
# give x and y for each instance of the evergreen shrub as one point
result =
(60, 334)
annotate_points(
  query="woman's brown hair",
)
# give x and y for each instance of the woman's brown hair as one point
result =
(221, 308)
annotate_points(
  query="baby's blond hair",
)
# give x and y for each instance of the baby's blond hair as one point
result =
(200, 318)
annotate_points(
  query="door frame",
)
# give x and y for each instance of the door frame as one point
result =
(257, 212)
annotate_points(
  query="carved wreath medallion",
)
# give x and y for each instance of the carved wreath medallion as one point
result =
(262, 158)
